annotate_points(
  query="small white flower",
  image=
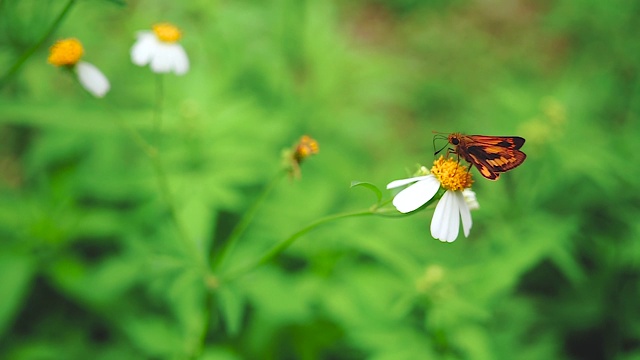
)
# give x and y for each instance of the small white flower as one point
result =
(159, 48)
(67, 53)
(455, 204)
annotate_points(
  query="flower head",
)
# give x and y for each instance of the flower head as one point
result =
(449, 175)
(68, 53)
(304, 148)
(160, 49)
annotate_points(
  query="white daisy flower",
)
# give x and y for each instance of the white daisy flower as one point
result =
(160, 49)
(455, 204)
(67, 53)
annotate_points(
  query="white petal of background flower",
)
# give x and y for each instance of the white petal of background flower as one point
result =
(180, 60)
(144, 48)
(445, 223)
(402, 182)
(162, 59)
(465, 213)
(92, 79)
(417, 194)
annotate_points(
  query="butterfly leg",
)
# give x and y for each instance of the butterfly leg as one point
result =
(449, 151)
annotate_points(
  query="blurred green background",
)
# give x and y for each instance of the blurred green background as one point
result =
(91, 264)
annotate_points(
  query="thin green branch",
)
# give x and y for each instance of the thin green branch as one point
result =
(22, 59)
(165, 190)
(243, 224)
(284, 244)
(150, 151)
(153, 155)
(163, 179)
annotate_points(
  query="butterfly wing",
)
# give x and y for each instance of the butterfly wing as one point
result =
(507, 142)
(493, 155)
(491, 161)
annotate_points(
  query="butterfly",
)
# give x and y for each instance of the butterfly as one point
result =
(491, 155)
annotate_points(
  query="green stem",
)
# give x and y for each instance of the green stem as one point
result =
(165, 190)
(163, 179)
(243, 224)
(22, 59)
(157, 113)
(150, 151)
(281, 246)
(163, 182)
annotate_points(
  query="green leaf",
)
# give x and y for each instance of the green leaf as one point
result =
(232, 308)
(369, 186)
(17, 272)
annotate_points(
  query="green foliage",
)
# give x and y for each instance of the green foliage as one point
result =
(123, 241)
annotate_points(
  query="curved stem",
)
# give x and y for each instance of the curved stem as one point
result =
(22, 59)
(281, 246)
(243, 224)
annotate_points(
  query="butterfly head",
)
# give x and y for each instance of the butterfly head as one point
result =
(454, 139)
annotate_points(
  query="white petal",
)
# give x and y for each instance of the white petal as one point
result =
(465, 213)
(416, 195)
(470, 199)
(162, 61)
(402, 182)
(180, 60)
(446, 218)
(145, 34)
(144, 49)
(92, 79)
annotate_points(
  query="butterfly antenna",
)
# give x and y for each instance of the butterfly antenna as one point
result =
(442, 148)
(439, 136)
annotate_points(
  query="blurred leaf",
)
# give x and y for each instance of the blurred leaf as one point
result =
(118, 2)
(218, 353)
(232, 307)
(16, 272)
(154, 335)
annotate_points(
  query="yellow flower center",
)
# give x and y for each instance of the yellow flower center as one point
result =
(451, 175)
(305, 148)
(167, 32)
(65, 52)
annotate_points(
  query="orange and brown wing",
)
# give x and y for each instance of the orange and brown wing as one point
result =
(506, 142)
(493, 155)
(491, 161)
(485, 169)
